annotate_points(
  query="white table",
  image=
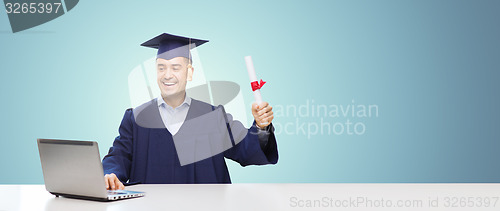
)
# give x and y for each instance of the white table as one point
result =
(264, 197)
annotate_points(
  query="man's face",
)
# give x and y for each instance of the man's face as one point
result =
(172, 76)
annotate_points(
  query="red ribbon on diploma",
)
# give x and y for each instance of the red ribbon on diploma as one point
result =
(256, 85)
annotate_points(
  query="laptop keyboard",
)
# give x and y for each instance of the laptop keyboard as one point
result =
(113, 192)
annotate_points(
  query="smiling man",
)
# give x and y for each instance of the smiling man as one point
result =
(177, 139)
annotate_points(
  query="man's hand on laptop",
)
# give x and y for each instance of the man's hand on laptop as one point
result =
(112, 182)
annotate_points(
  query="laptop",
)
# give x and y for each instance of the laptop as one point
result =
(74, 169)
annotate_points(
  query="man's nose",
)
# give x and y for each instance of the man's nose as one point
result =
(168, 74)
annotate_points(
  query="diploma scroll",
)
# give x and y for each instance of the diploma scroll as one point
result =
(254, 82)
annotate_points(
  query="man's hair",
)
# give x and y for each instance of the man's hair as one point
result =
(188, 61)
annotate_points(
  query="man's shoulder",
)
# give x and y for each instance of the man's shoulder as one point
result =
(146, 105)
(147, 115)
(199, 103)
(198, 107)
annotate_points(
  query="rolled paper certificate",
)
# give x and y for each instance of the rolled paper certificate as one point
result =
(254, 82)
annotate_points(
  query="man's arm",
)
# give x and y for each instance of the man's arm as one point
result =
(249, 148)
(263, 115)
(117, 162)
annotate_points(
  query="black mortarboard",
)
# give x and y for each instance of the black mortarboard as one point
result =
(170, 46)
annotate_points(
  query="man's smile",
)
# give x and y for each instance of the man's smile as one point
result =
(169, 83)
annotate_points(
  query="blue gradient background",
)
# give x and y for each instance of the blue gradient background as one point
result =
(432, 67)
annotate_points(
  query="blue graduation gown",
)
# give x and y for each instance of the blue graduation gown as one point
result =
(148, 155)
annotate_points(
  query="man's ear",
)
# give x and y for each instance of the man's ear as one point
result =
(190, 70)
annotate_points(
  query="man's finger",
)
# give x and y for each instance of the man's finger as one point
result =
(111, 183)
(118, 184)
(265, 115)
(269, 119)
(122, 186)
(265, 110)
(106, 181)
(263, 104)
(255, 107)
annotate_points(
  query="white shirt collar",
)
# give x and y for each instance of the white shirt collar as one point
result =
(160, 101)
